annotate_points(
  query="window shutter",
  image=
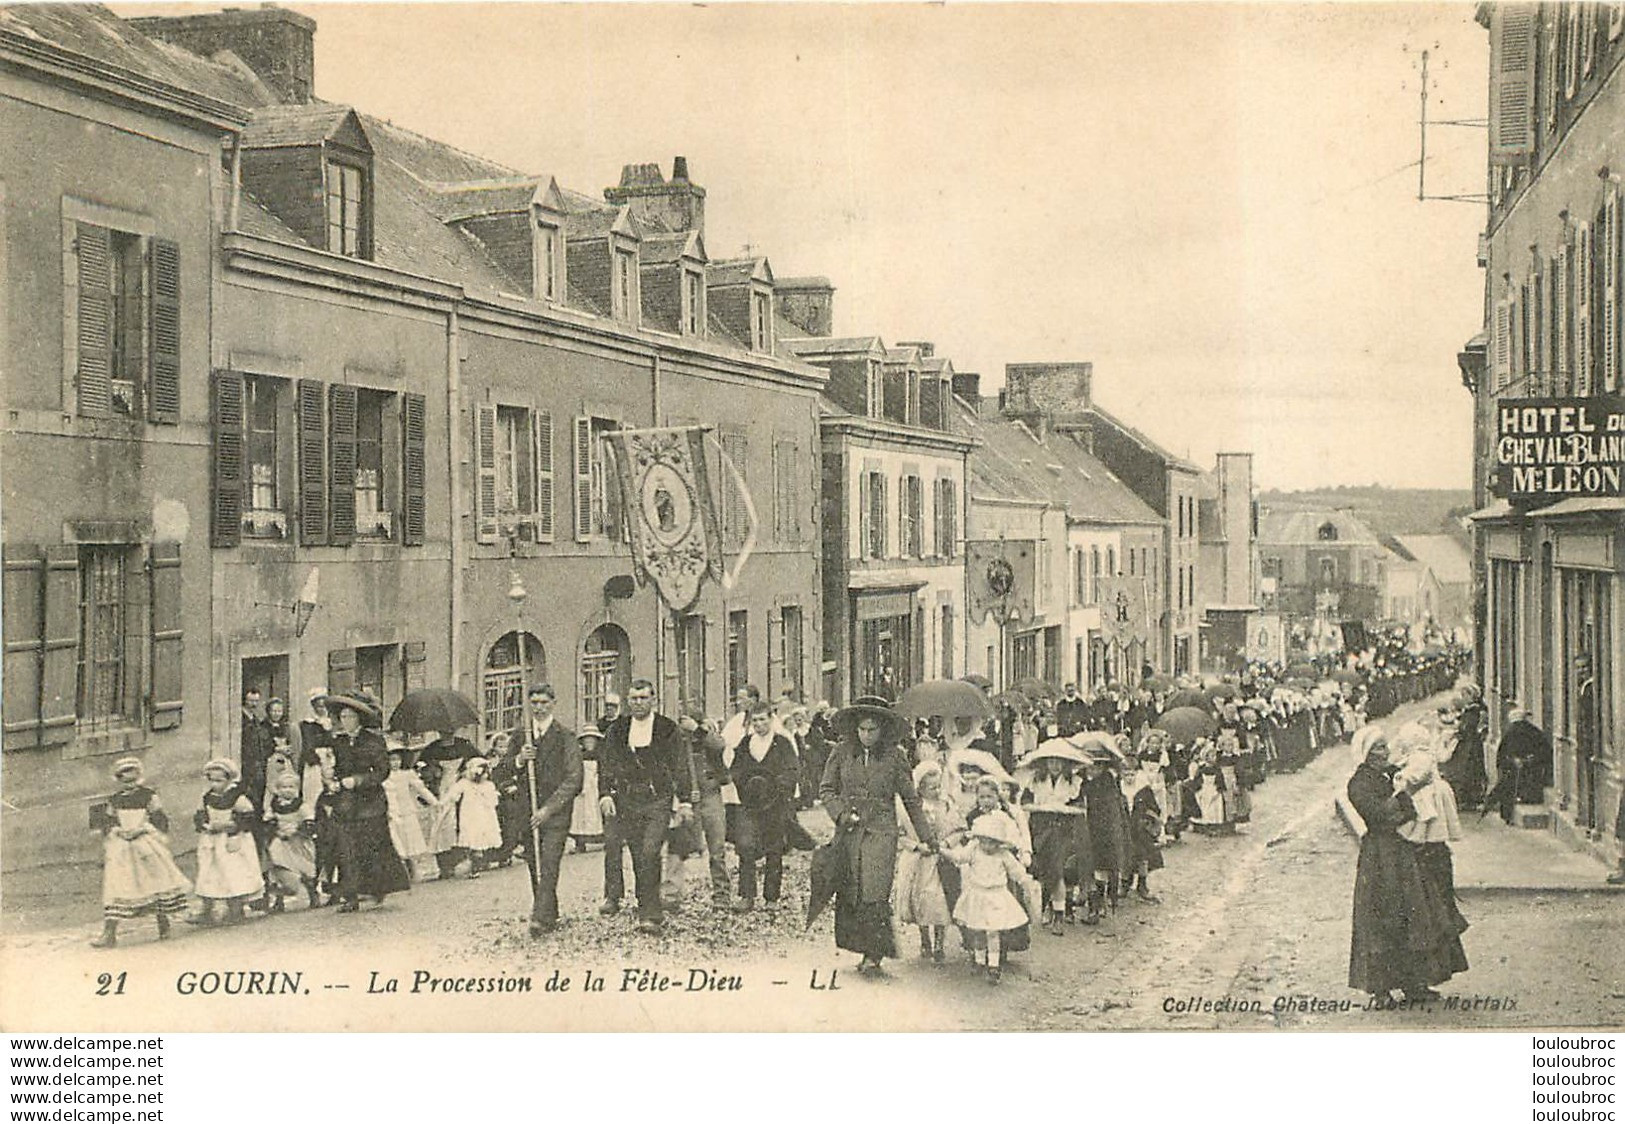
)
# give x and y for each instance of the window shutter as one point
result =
(1512, 86)
(94, 246)
(1582, 310)
(164, 349)
(414, 664)
(136, 602)
(1588, 37)
(863, 515)
(1560, 321)
(167, 640)
(882, 525)
(486, 528)
(59, 664)
(583, 478)
(1609, 312)
(1501, 353)
(543, 448)
(341, 411)
(24, 623)
(1616, 21)
(341, 670)
(1570, 20)
(227, 509)
(414, 409)
(1515, 348)
(312, 465)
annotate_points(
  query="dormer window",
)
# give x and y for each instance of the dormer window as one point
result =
(1327, 532)
(549, 262)
(693, 302)
(876, 402)
(625, 291)
(761, 319)
(346, 209)
(912, 407)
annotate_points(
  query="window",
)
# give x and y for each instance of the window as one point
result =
(378, 672)
(262, 394)
(1328, 571)
(1094, 571)
(125, 337)
(549, 263)
(345, 185)
(597, 490)
(690, 641)
(1080, 589)
(1111, 561)
(876, 389)
(911, 408)
(1327, 532)
(945, 632)
(504, 680)
(787, 492)
(872, 515)
(514, 457)
(790, 652)
(910, 517)
(693, 302)
(603, 670)
(738, 651)
(104, 691)
(761, 322)
(947, 516)
(372, 514)
(626, 269)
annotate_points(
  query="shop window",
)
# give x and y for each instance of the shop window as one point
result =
(738, 651)
(506, 677)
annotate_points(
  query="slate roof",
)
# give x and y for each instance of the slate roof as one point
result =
(663, 249)
(823, 345)
(1443, 554)
(1139, 438)
(731, 271)
(93, 31)
(1012, 463)
(456, 201)
(1302, 528)
(294, 126)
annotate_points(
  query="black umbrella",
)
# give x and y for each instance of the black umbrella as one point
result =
(981, 681)
(433, 708)
(1189, 697)
(1185, 724)
(944, 698)
(831, 867)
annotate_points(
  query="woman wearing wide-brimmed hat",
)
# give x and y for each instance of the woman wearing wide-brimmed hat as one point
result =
(866, 775)
(367, 860)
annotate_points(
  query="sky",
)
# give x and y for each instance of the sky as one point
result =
(1216, 204)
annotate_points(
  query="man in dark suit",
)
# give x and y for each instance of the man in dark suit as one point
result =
(1071, 713)
(643, 774)
(547, 760)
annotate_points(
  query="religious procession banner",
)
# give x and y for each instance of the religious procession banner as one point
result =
(1000, 579)
(671, 518)
(1124, 613)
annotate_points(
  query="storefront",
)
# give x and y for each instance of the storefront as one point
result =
(888, 633)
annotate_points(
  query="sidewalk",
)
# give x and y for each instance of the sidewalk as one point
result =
(1492, 858)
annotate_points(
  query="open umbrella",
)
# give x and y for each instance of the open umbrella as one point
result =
(433, 708)
(1186, 723)
(1223, 691)
(980, 760)
(1035, 689)
(1156, 683)
(1345, 675)
(981, 681)
(1189, 697)
(1097, 744)
(1015, 700)
(944, 698)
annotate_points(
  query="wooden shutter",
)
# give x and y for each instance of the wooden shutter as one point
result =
(59, 664)
(94, 246)
(1501, 351)
(542, 447)
(882, 527)
(1609, 310)
(414, 419)
(167, 639)
(164, 346)
(312, 465)
(1582, 310)
(1515, 343)
(1560, 321)
(24, 623)
(226, 512)
(341, 670)
(486, 527)
(583, 478)
(341, 418)
(864, 530)
(1512, 85)
(414, 664)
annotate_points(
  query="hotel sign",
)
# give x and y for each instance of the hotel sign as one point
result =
(1549, 449)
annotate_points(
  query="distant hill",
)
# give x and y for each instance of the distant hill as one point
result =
(1387, 511)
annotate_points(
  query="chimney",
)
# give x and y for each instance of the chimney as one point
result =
(968, 386)
(808, 303)
(660, 205)
(277, 45)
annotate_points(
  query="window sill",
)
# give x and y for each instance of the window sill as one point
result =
(105, 741)
(266, 524)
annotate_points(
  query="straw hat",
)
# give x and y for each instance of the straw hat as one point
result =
(997, 826)
(222, 765)
(371, 717)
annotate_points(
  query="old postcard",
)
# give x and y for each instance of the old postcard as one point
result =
(812, 517)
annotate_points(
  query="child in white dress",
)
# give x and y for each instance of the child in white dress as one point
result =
(290, 854)
(986, 906)
(228, 863)
(479, 829)
(139, 876)
(406, 791)
(930, 900)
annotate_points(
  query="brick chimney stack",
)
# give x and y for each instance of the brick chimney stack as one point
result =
(678, 204)
(277, 45)
(968, 388)
(807, 302)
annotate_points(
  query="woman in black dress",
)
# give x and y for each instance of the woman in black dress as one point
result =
(367, 860)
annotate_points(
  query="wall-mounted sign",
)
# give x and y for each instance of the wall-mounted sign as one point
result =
(1555, 448)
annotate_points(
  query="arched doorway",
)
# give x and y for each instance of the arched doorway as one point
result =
(505, 678)
(605, 662)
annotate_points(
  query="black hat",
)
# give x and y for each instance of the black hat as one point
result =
(892, 725)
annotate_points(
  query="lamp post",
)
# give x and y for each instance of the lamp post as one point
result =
(516, 595)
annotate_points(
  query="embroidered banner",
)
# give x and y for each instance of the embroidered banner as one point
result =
(671, 518)
(1000, 578)
(1124, 617)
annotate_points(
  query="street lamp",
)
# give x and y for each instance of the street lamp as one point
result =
(517, 594)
